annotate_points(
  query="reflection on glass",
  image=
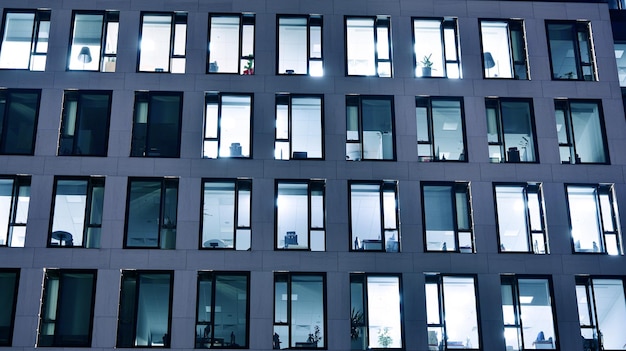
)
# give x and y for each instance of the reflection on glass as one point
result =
(156, 127)
(440, 135)
(374, 217)
(601, 307)
(510, 131)
(84, 124)
(18, 113)
(512, 219)
(226, 214)
(298, 127)
(571, 50)
(8, 295)
(447, 218)
(504, 49)
(151, 218)
(14, 203)
(300, 215)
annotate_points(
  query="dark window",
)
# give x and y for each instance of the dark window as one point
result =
(144, 318)
(447, 215)
(9, 281)
(375, 311)
(19, 110)
(370, 128)
(93, 45)
(510, 130)
(520, 216)
(299, 127)
(452, 312)
(77, 212)
(226, 214)
(85, 123)
(227, 125)
(222, 319)
(504, 49)
(528, 313)
(368, 46)
(231, 43)
(300, 45)
(300, 215)
(580, 129)
(162, 41)
(440, 129)
(436, 47)
(572, 55)
(299, 311)
(25, 39)
(67, 308)
(151, 213)
(156, 125)
(14, 202)
(374, 216)
(593, 219)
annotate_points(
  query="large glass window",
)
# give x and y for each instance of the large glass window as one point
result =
(451, 312)
(374, 216)
(222, 313)
(299, 127)
(504, 49)
(510, 130)
(93, 44)
(375, 311)
(440, 129)
(620, 58)
(594, 219)
(572, 55)
(370, 128)
(19, 110)
(156, 124)
(231, 43)
(520, 216)
(528, 313)
(601, 310)
(580, 129)
(9, 279)
(163, 41)
(151, 213)
(144, 318)
(85, 123)
(299, 311)
(300, 215)
(436, 47)
(447, 215)
(67, 308)
(226, 214)
(300, 45)
(227, 125)
(14, 202)
(77, 212)
(25, 39)
(368, 46)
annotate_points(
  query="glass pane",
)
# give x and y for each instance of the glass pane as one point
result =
(562, 48)
(153, 310)
(243, 239)
(606, 208)
(20, 124)
(358, 330)
(517, 128)
(307, 311)
(588, 133)
(382, 43)
(421, 115)
(292, 45)
(315, 45)
(231, 310)
(439, 218)
(155, 51)
(512, 223)
(462, 209)
(168, 226)
(536, 313)
(583, 305)
(620, 48)
(23, 201)
(244, 204)
(164, 126)
(292, 216)
(583, 213)
(210, 120)
(280, 301)
(235, 126)
(144, 208)
(86, 41)
(360, 46)
(534, 209)
(318, 240)
(281, 150)
(6, 203)
(180, 39)
(16, 43)
(224, 45)
(383, 308)
(247, 49)
(110, 44)
(92, 134)
(69, 213)
(496, 49)
(41, 47)
(317, 205)
(218, 215)
(389, 209)
(282, 122)
(428, 48)
(306, 132)
(611, 311)
(460, 313)
(8, 282)
(365, 221)
(377, 122)
(75, 308)
(432, 303)
(448, 130)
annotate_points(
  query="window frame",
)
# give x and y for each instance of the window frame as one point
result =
(379, 21)
(564, 105)
(357, 101)
(58, 273)
(288, 275)
(312, 20)
(446, 23)
(6, 94)
(108, 17)
(506, 151)
(176, 18)
(286, 99)
(13, 304)
(146, 97)
(245, 19)
(456, 187)
(166, 183)
(311, 185)
(533, 246)
(19, 182)
(213, 277)
(578, 27)
(78, 96)
(428, 105)
(239, 184)
(40, 15)
(383, 187)
(513, 24)
(212, 95)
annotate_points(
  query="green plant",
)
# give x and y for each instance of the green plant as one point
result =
(426, 62)
(316, 334)
(384, 339)
(356, 321)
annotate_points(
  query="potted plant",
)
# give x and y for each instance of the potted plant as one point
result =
(249, 67)
(427, 65)
(356, 322)
(384, 339)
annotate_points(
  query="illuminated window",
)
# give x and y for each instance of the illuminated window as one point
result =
(370, 129)
(368, 46)
(436, 48)
(374, 216)
(227, 125)
(25, 39)
(571, 50)
(300, 45)
(299, 130)
(580, 129)
(440, 129)
(156, 124)
(94, 41)
(504, 49)
(231, 43)
(14, 203)
(300, 215)
(226, 211)
(510, 130)
(162, 41)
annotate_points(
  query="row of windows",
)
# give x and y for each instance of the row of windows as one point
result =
(376, 308)
(300, 215)
(299, 126)
(93, 45)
